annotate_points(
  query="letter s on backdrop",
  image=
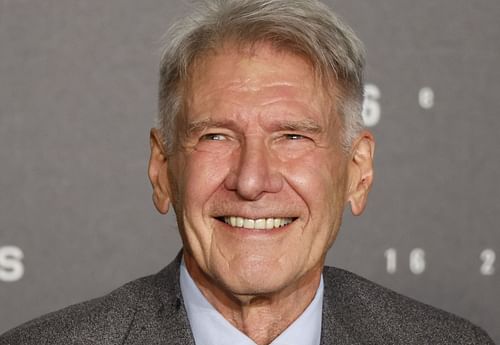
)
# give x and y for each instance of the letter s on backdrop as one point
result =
(11, 265)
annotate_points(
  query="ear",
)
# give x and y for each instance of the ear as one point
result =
(157, 171)
(360, 172)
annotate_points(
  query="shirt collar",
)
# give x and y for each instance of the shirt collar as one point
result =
(209, 327)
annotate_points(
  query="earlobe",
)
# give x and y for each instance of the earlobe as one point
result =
(157, 171)
(361, 172)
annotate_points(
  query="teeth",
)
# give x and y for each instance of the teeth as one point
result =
(257, 224)
(249, 223)
(260, 224)
(269, 223)
(239, 222)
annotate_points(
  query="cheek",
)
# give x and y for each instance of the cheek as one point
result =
(314, 180)
(204, 173)
(199, 176)
(321, 186)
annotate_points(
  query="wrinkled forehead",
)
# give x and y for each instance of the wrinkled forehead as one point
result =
(237, 67)
(248, 50)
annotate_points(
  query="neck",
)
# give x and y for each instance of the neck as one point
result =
(261, 317)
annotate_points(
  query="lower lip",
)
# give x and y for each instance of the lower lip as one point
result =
(256, 232)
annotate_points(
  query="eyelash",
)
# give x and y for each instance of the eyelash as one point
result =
(211, 137)
(221, 137)
(293, 136)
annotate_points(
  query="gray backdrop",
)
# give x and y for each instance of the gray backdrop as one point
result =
(78, 96)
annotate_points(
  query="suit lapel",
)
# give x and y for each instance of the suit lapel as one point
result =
(333, 331)
(161, 317)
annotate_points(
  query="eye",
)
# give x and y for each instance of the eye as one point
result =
(293, 136)
(213, 137)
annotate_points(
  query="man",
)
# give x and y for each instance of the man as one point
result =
(259, 148)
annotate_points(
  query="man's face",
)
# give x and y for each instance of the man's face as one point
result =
(259, 179)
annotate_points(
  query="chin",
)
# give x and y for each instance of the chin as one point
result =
(256, 288)
(253, 279)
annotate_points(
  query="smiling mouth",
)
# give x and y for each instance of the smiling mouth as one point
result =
(256, 224)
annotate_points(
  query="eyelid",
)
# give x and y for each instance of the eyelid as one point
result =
(210, 136)
(297, 135)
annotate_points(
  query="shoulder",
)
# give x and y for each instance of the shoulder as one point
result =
(377, 315)
(103, 320)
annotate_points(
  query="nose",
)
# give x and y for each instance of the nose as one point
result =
(256, 171)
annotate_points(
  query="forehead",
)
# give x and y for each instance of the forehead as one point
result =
(258, 61)
(260, 75)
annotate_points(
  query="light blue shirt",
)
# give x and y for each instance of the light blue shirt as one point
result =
(209, 327)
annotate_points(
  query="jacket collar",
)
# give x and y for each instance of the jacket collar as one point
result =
(161, 318)
(333, 331)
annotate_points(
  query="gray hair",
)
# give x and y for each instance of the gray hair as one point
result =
(304, 27)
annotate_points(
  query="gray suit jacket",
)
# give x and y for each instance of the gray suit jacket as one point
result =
(151, 311)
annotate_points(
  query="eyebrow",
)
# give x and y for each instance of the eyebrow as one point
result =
(306, 125)
(201, 125)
